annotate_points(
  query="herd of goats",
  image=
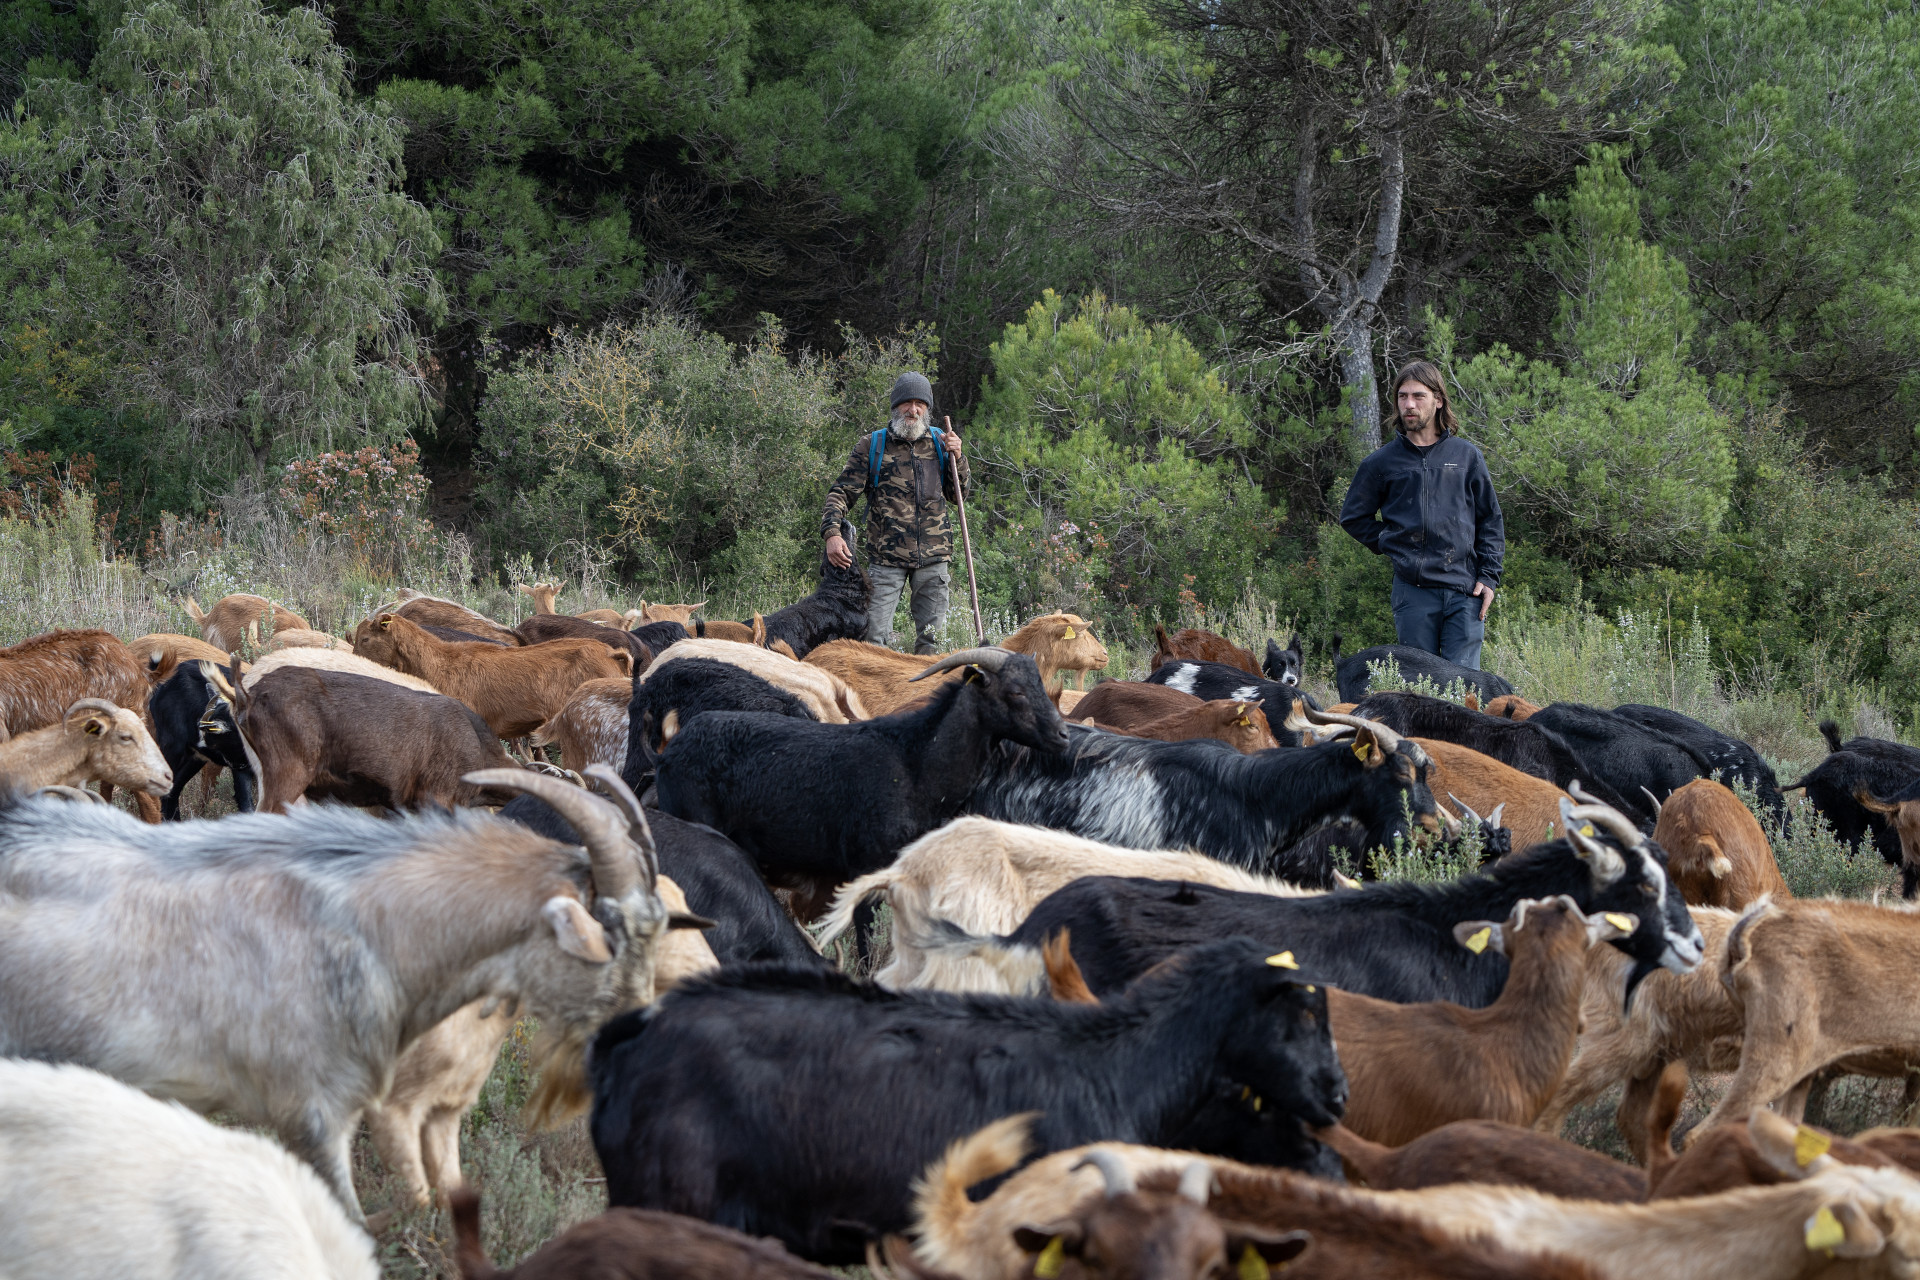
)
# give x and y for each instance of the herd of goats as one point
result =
(1141, 1010)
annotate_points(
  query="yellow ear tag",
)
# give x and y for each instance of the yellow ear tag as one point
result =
(1256, 1103)
(1311, 987)
(1283, 961)
(1360, 749)
(1051, 1259)
(1586, 829)
(1477, 940)
(1067, 634)
(1618, 921)
(1252, 1265)
(1809, 1145)
(1824, 1231)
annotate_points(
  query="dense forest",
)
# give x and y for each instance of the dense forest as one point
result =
(621, 283)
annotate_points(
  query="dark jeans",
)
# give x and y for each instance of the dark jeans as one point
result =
(1439, 620)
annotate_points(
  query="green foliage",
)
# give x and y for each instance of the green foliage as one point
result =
(1620, 453)
(1812, 860)
(693, 458)
(250, 203)
(1106, 438)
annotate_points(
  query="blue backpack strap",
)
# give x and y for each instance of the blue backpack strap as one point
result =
(876, 448)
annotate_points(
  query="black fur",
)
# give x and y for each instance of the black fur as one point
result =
(1351, 673)
(658, 635)
(1283, 665)
(1391, 940)
(803, 1105)
(1245, 809)
(691, 686)
(837, 610)
(818, 804)
(564, 626)
(1626, 754)
(1885, 770)
(1211, 681)
(1726, 756)
(177, 708)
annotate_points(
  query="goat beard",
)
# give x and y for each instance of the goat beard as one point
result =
(900, 427)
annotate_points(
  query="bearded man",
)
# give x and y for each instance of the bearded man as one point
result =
(904, 473)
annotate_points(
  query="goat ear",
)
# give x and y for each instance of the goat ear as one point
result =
(1860, 1237)
(578, 933)
(1051, 1242)
(384, 622)
(1254, 1249)
(688, 920)
(1794, 1150)
(1605, 926)
(94, 725)
(1367, 749)
(1481, 935)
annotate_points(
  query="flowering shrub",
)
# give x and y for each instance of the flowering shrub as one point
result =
(369, 499)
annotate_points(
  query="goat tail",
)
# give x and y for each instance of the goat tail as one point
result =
(1370, 1161)
(845, 902)
(940, 1200)
(199, 615)
(1739, 946)
(1831, 732)
(1662, 1115)
(468, 1253)
(547, 733)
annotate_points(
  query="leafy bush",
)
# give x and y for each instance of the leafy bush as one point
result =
(369, 499)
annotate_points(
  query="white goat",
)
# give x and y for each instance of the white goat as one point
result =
(987, 876)
(101, 1182)
(275, 967)
(94, 742)
(830, 698)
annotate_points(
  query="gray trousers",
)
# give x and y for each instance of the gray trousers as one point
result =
(929, 607)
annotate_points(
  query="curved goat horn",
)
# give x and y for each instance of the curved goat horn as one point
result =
(991, 657)
(1196, 1181)
(1607, 864)
(64, 792)
(1467, 809)
(1118, 1177)
(602, 828)
(1389, 740)
(91, 704)
(1606, 815)
(1656, 802)
(637, 826)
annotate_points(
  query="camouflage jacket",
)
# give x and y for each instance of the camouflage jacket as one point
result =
(907, 522)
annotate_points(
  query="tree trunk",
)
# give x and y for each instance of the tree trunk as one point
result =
(1355, 341)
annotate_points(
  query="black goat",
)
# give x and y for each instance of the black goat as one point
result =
(564, 626)
(1880, 768)
(1351, 673)
(818, 804)
(1725, 755)
(668, 700)
(837, 609)
(1527, 746)
(720, 881)
(1244, 809)
(193, 727)
(1641, 764)
(1283, 665)
(1212, 681)
(802, 1105)
(658, 635)
(1391, 940)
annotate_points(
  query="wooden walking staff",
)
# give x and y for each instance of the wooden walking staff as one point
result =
(966, 541)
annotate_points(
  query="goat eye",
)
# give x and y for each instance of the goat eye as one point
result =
(1646, 891)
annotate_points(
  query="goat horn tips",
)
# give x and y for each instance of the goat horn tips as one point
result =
(1476, 941)
(1284, 960)
(1809, 1144)
(1824, 1232)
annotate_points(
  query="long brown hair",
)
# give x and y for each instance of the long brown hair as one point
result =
(1428, 375)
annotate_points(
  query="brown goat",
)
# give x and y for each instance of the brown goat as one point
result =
(163, 652)
(542, 627)
(1717, 854)
(326, 735)
(1195, 645)
(632, 1244)
(95, 742)
(434, 611)
(514, 690)
(1487, 1151)
(592, 728)
(239, 616)
(298, 639)
(1530, 806)
(1414, 1067)
(1241, 725)
(1511, 706)
(753, 633)
(656, 612)
(544, 594)
(1057, 642)
(42, 676)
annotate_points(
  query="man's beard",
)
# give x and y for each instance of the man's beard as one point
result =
(902, 427)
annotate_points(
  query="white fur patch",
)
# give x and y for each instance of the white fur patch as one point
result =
(1245, 693)
(1182, 678)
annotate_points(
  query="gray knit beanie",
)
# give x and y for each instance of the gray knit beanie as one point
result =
(911, 386)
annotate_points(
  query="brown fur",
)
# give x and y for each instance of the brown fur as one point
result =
(1486, 1151)
(432, 611)
(1241, 725)
(753, 633)
(1121, 704)
(544, 594)
(1195, 645)
(44, 675)
(1414, 1067)
(632, 1244)
(329, 736)
(880, 675)
(514, 690)
(1904, 817)
(542, 627)
(680, 613)
(592, 727)
(1718, 855)
(241, 616)
(298, 639)
(1480, 781)
(1511, 706)
(163, 652)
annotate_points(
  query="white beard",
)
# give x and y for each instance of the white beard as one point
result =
(901, 429)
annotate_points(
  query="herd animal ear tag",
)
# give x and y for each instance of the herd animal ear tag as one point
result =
(1284, 960)
(1618, 921)
(1360, 749)
(1824, 1231)
(1067, 634)
(1809, 1145)
(1252, 1265)
(1477, 940)
(1052, 1258)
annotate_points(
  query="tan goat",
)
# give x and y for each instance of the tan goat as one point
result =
(514, 690)
(1057, 642)
(95, 742)
(1460, 775)
(1716, 852)
(656, 612)
(434, 611)
(236, 617)
(545, 593)
(297, 639)
(592, 728)
(416, 1126)
(987, 876)
(163, 652)
(343, 660)
(830, 698)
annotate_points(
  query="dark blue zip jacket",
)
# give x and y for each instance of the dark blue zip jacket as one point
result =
(1439, 524)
